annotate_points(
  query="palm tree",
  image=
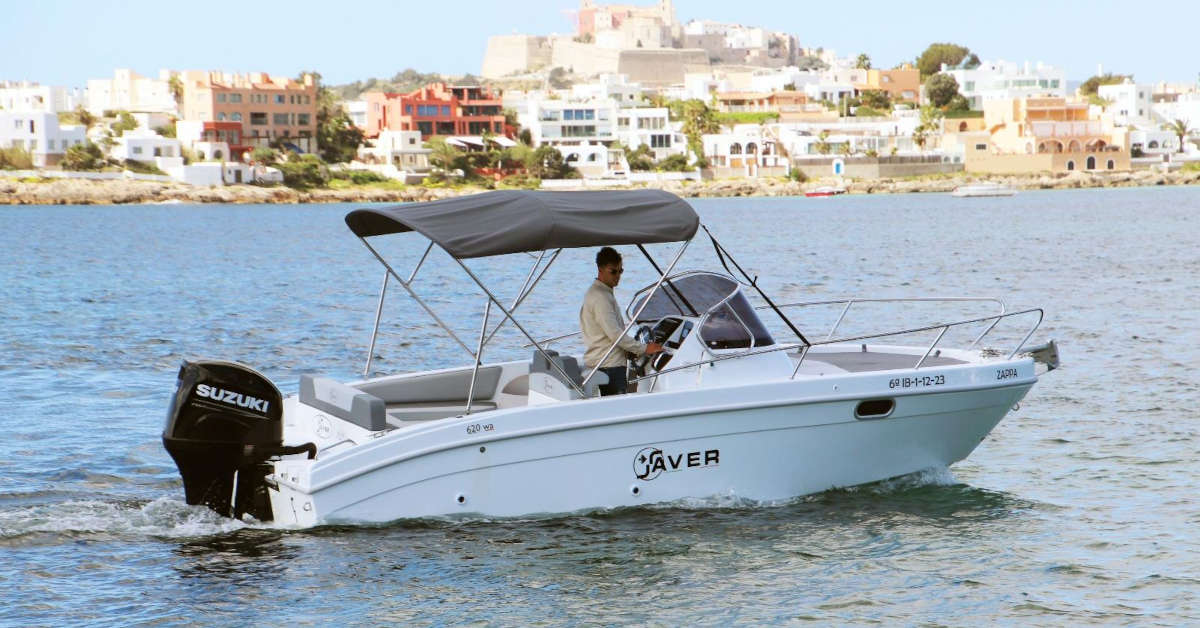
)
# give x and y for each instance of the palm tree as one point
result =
(443, 155)
(1180, 128)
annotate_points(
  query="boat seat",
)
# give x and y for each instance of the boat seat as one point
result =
(344, 402)
(546, 382)
(401, 413)
(449, 386)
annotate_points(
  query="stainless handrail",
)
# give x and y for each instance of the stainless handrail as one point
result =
(941, 326)
(852, 300)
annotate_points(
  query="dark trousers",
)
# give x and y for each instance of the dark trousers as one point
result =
(616, 381)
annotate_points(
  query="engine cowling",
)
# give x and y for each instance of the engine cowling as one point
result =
(225, 422)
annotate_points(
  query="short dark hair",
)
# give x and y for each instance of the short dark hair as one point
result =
(608, 256)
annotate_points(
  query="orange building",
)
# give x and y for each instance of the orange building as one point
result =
(1046, 134)
(436, 109)
(267, 108)
(902, 84)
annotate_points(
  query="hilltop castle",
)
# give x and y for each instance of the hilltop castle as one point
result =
(646, 43)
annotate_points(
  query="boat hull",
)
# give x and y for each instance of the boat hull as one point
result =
(772, 451)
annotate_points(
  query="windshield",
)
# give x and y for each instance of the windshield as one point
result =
(694, 294)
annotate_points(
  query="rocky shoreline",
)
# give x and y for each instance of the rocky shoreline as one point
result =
(86, 192)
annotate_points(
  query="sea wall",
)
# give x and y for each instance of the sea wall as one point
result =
(84, 192)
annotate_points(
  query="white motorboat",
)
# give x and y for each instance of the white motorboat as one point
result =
(983, 189)
(726, 410)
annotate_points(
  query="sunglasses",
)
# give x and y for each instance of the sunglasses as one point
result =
(615, 271)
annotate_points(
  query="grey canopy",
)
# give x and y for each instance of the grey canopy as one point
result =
(513, 221)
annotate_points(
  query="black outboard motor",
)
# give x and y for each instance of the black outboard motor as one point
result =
(225, 422)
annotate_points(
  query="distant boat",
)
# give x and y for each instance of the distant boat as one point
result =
(825, 191)
(983, 189)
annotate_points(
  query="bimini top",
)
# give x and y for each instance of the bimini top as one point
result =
(514, 221)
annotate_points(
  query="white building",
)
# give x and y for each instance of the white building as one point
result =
(147, 146)
(402, 149)
(25, 96)
(39, 134)
(650, 126)
(357, 110)
(614, 87)
(130, 92)
(1131, 103)
(1184, 107)
(568, 122)
(855, 135)
(747, 151)
(1007, 80)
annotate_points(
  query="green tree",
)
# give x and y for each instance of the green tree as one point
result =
(125, 122)
(176, 86)
(15, 158)
(822, 144)
(930, 62)
(673, 163)
(941, 89)
(931, 119)
(1092, 85)
(1180, 128)
(958, 103)
(863, 62)
(264, 155)
(698, 120)
(167, 130)
(640, 159)
(548, 163)
(338, 139)
(444, 156)
(304, 171)
(877, 99)
(86, 156)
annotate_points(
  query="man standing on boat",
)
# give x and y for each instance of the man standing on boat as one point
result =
(601, 323)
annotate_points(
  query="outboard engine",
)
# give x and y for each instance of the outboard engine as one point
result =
(225, 422)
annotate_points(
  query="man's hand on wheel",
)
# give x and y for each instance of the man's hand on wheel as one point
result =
(653, 348)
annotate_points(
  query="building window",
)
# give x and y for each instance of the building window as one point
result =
(32, 145)
(622, 123)
(1111, 164)
(1070, 165)
(258, 118)
(137, 150)
(302, 119)
(660, 141)
(50, 145)
(279, 99)
(220, 97)
(407, 109)
(429, 111)
(236, 117)
(279, 119)
(579, 131)
(981, 147)
(221, 116)
(445, 110)
(235, 98)
(651, 123)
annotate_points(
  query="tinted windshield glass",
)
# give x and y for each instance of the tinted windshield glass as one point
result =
(693, 295)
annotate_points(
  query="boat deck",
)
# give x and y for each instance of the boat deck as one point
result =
(864, 361)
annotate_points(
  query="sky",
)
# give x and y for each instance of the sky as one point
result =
(67, 42)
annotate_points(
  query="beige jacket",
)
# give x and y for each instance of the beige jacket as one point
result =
(601, 322)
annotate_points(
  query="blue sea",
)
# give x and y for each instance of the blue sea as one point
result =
(1080, 508)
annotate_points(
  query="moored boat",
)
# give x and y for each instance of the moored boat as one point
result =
(983, 189)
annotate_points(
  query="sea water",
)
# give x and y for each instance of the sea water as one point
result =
(1079, 508)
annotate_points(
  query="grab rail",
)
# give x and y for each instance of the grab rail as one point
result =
(942, 327)
(852, 300)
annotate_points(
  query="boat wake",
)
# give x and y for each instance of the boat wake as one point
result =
(163, 517)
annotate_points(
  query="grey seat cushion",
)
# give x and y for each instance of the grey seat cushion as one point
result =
(344, 402)
(451, 386)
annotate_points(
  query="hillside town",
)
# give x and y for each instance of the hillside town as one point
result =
(631, 97)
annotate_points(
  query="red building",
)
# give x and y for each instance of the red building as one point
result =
(436, 109)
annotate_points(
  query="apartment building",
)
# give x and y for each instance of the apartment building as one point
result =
(1003, 80)
(1046, 134)
(129, 91)
(253, 110)
(900, 84)
(39, 133)
(1129, 102)
(436, 109)
(27, 96)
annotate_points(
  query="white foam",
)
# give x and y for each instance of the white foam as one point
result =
(162, 517)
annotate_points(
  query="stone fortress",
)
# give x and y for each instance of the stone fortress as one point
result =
(645, 43)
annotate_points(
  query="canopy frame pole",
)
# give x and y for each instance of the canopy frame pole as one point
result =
(509, 316)
(487, 310)
(524, 293)
(633, 318)
(378, 316)
(420, 262)
(723, 253)
(412, 293)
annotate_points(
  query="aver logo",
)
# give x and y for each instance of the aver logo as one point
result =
(650, 462)
(232, 398)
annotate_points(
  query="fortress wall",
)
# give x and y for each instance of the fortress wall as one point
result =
(515, 54)
(661, 67)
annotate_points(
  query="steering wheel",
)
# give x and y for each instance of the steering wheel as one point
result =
(643, 335)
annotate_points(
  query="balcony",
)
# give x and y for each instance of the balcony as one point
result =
(1089, 128)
